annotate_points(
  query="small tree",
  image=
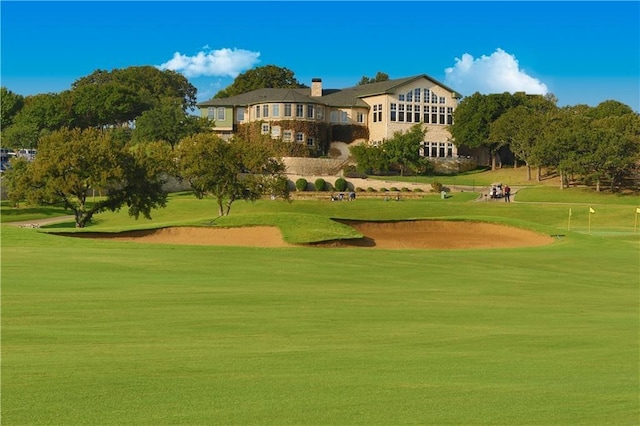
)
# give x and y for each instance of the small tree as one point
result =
(403, 149)
(229, 171)
(70, 163)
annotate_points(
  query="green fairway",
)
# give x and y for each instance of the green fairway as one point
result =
(103, 332)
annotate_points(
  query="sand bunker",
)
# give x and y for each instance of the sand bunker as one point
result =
(423, 234)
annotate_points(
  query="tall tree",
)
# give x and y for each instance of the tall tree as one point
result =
(228, 171)
(70, 163)
(565, 141)
(268, 76)
(150, 84)
(380, 76)
(10, 104)
(167, 122)
(521, 128)
(40, 115)
(615, 151)
(473, 118)
(108, 104)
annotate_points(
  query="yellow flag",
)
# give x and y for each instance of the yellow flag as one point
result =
(569, 212)
(637, 209)
(591, 210)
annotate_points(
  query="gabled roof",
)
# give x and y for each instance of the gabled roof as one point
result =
(263, 95)
(348, 97)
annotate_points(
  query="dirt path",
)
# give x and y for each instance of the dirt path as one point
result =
(36, 223)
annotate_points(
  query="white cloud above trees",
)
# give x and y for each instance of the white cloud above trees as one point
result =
(497, 73)
(212, 63)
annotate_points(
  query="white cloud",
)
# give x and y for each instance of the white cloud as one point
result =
(219, 63)
(497, 73)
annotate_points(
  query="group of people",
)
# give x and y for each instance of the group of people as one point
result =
(340, 196)
(498, 191)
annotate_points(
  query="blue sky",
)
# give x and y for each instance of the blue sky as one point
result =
(582, 52)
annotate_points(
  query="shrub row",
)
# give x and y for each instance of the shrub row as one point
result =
(322, 185)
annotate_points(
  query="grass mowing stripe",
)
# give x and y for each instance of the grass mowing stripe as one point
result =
(99, 332)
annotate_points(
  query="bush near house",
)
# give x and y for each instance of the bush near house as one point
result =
(341, 184)
(320, 184)
(301, 184)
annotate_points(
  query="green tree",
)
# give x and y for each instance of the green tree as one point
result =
(73, 162)
(107, 104)
(16, 181)
(609, 108)
(167, 122)
(370, 159)
(268, 76)
(229, 171)
(521, 128)
(380, 76)
(473, 118)
(10, 104)
(615, 152)
(403, 149)
(150, 84)
(40, 115)
(565, 142)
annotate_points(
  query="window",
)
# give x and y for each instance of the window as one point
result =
(375, 113)
(393, 116)
(401, 98)
(220, 114)
(344, 117)
(401, 113)
(240, 114)
(449, 115)
(425, 114)
(410, 96)
(434, 98)
(258, 111)
(287, 110)
(309, 141)
(211, 115)
(265, 128)
(416, 113)
(265, 110)
(299, 137)
(334, 116)
(416, 95)
(442, 116)
(427, 94)
(287, 136)
(310, 111)
(379, 112)
(360, 117)
(442, 100)
(409, 113)
(434, 115)
(320, 113)
(449, 149)
(275, 109)
(275, 132)
(299, 110)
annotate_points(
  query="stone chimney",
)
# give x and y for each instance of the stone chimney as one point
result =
(316, 87)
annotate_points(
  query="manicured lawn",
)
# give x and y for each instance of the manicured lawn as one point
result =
(99, 332)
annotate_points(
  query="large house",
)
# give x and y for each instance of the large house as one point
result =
(327, 121)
